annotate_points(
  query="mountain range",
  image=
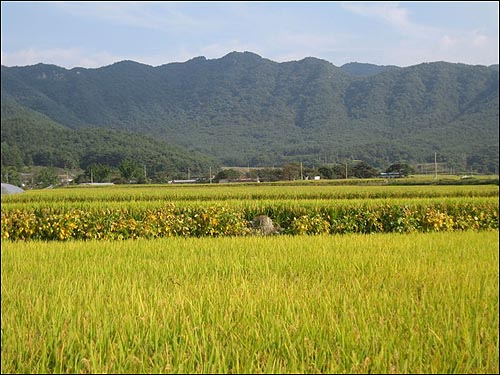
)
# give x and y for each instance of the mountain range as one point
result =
(246, 110)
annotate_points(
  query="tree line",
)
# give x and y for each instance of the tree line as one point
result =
(131, 172)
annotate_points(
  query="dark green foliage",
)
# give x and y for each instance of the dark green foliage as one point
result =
(98, 172)
(228, 174)
(402, 168)
(267, 174)
(246, 110)
(11, 176)
(366, 70)
(291, 171)
(11, 155)
(364, 170)
(29, 138)
(129, 169)
(336, 171)
(46, 177)
(327, 172)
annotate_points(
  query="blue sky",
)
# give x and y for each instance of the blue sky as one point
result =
(94, 34)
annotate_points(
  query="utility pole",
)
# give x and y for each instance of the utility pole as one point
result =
(435, 166)
(91, 176)
(210, 176)
(301, 175)
(346, 170)
(189, 174)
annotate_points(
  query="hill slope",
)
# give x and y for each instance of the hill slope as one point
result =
(31, 138)
(243, 109)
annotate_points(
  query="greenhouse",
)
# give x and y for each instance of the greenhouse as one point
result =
(11, 189)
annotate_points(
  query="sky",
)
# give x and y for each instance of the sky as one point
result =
(94, 34)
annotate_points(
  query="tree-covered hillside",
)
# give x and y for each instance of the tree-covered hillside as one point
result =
(243, 109)
(30, 138)
(366, 70)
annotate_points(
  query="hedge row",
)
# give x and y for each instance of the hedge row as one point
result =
(219, 220)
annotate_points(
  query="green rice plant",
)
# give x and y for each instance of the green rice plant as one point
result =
(379, 303)
(215, 192)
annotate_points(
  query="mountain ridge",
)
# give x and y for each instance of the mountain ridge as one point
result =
(254, 55)
(244, 109)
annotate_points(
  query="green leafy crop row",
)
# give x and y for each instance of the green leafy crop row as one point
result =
(222, 220)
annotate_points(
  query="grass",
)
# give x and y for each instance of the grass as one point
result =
(385, 303)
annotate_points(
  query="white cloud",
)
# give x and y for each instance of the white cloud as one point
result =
(474, 40)
(314, 44)
(447, 41)
(68, 58)
(468, 47)
(481, 40)
(213, 34)
(216, 50)
(423, 43)
(137, 14)
(391, 14)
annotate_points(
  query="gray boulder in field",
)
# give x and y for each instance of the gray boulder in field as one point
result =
(263, 225)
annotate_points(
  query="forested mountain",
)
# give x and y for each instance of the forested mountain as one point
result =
(243, 109)
(366, 70)
(31, 138)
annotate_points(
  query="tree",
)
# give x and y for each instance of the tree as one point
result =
(46, 177)
(402, 168)
(11, 155)
(228, 174)
(129, 169)
(364, 170)
(11, 176)
(339, 170)
(327, 172)
(98, 172)
(268, 174)
(291, 171)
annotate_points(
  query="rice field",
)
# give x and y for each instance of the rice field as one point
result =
(391, 302)
(214, 210)
(386, 303)
(223, 192)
